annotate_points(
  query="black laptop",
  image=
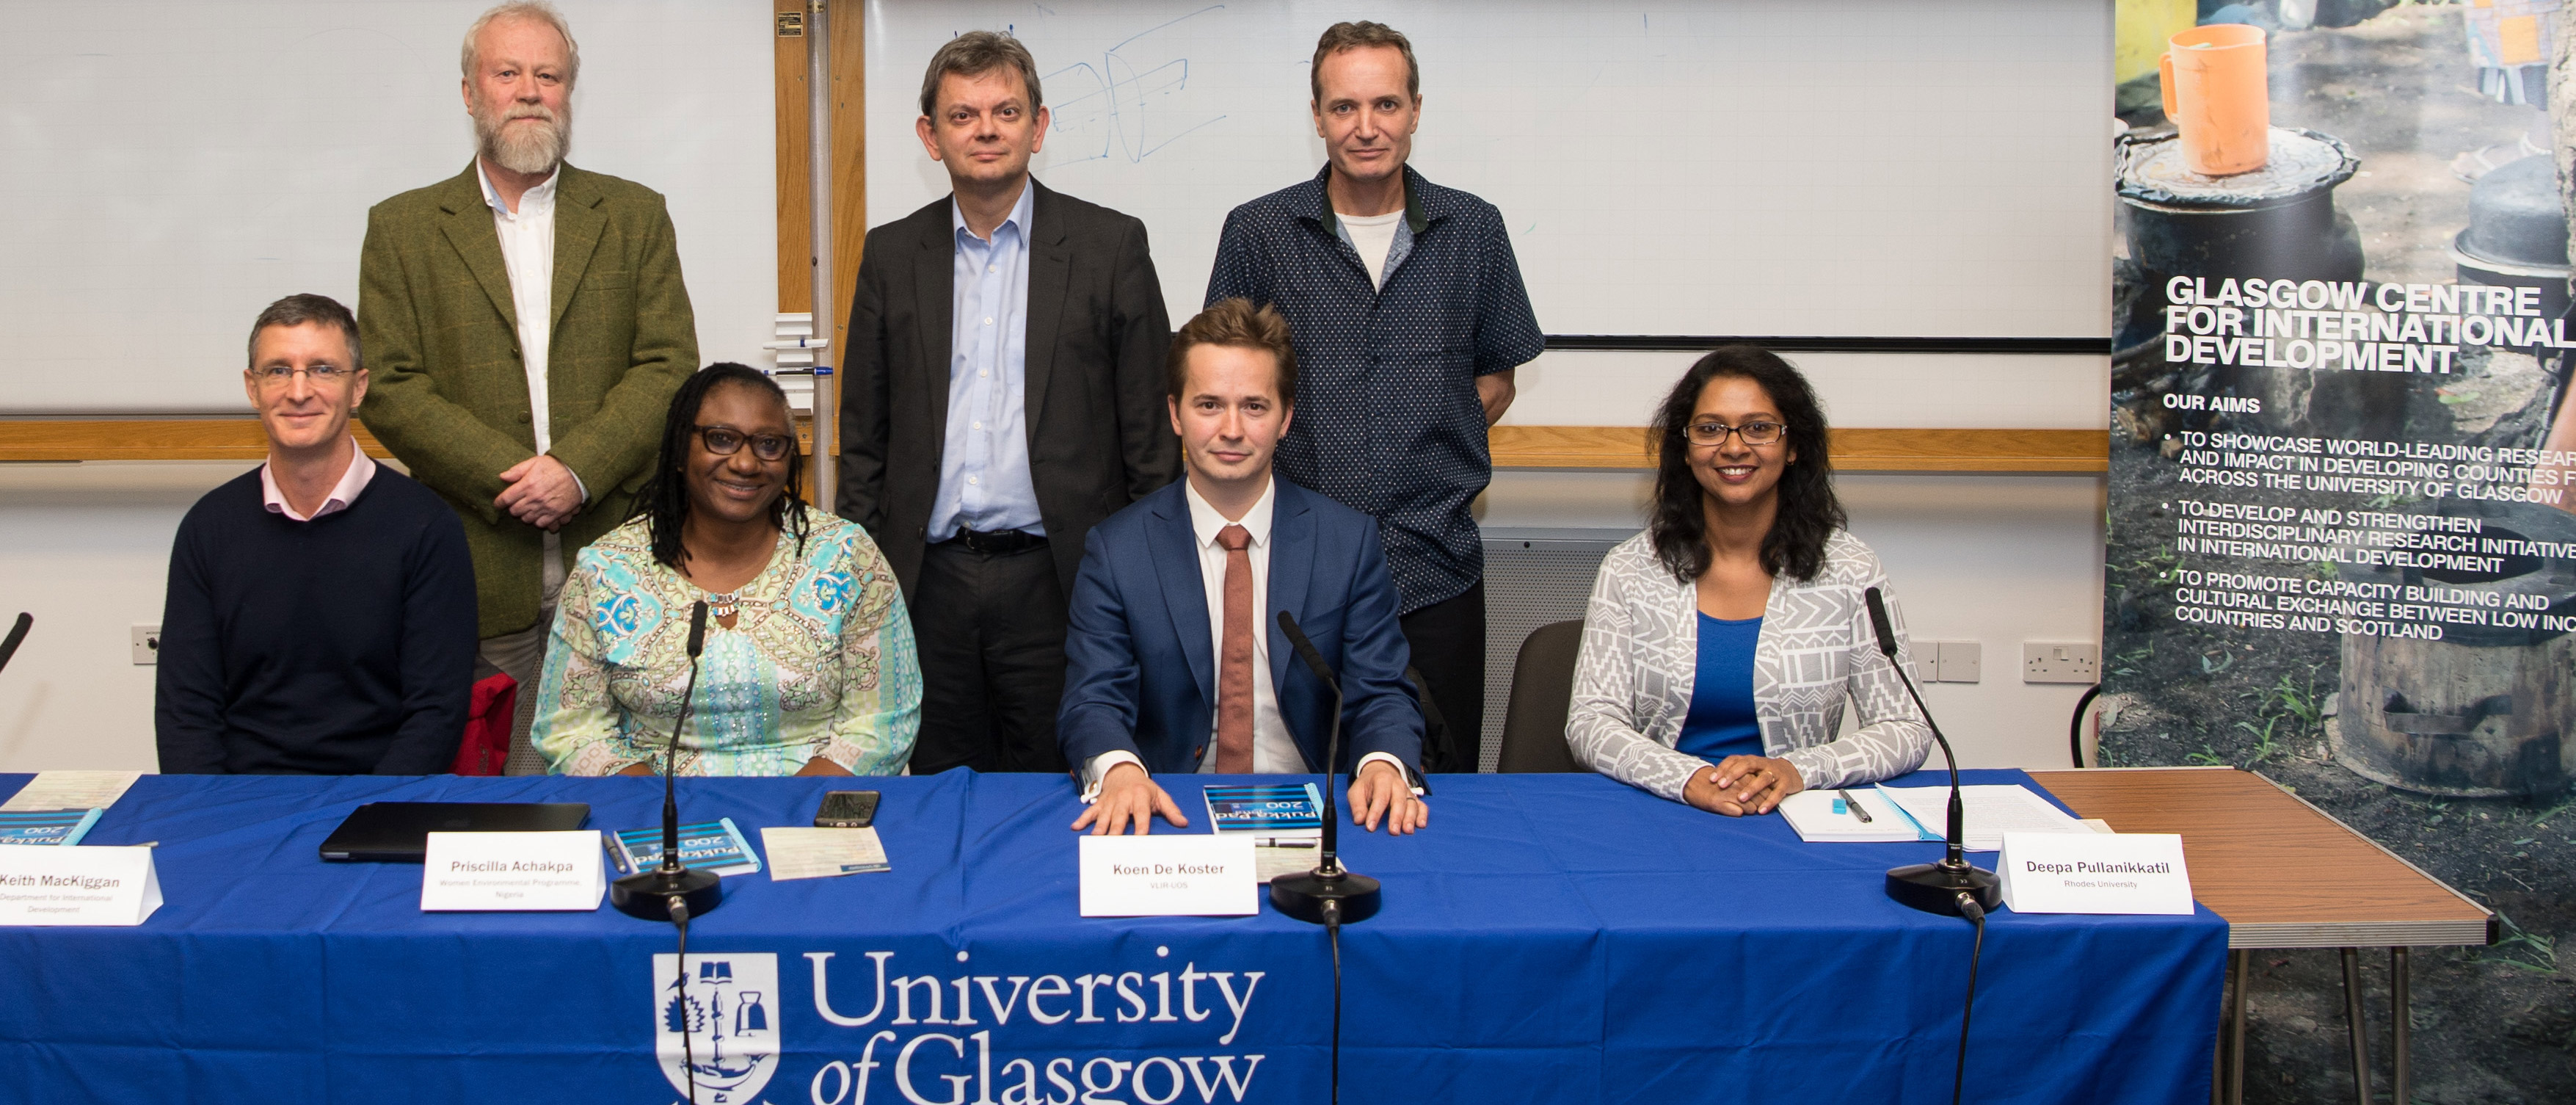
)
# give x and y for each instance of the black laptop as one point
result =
(398, 832)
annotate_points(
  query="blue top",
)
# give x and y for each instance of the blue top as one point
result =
(984, 479)
(1722, 721)
(339, 646)
(1388, 422)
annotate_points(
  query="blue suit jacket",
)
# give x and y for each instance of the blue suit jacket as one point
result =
(1141, 665)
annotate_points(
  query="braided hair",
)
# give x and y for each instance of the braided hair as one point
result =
(665, 501)
(1808, 511)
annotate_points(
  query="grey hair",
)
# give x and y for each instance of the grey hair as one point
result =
(297, 310)
(537, 10)
(974, 54)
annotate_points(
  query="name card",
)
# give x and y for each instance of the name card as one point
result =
(2095, 873)
(513, 871)
(1197, 875)
(77, 886)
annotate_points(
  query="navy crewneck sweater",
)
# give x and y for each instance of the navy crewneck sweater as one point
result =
(339, 646)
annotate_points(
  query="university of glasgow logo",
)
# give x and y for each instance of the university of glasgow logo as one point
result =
(729, 1017)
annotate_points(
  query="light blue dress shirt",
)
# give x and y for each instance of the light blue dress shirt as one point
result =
(984, 479)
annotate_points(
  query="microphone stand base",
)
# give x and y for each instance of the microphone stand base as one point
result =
(1303, 896)
(648, 895)
(1934, 888)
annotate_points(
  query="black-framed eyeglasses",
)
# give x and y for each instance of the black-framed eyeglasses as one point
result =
(1754, 433)
(725, 441)
(277, 375)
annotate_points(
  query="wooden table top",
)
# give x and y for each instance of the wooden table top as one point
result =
(2283, 873)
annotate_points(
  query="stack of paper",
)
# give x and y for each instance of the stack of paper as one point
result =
(1991, 811)
(1824, 815)
(72, 790)
(1923, 813)
(796, 853)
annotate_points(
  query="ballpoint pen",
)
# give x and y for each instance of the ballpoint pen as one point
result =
(1853, 804)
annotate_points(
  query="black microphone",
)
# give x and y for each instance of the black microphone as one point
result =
(672, 892)
(17, 634)
(1951, 886)
(1934, 887)
(1329, 893)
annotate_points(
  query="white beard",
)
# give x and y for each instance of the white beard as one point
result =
(524, 149)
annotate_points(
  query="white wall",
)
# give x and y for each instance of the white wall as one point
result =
(86, 548)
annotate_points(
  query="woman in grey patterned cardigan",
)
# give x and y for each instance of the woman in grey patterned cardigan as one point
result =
(1720, 644)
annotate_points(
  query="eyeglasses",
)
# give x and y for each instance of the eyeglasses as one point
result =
(725, 441)
(277, 375)
(1754, 433)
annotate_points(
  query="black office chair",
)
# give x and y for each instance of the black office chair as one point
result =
(1542, 692)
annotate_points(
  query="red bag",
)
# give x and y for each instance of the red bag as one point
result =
(486, 747)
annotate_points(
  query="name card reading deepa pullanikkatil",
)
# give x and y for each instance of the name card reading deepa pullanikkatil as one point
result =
(2095, 873)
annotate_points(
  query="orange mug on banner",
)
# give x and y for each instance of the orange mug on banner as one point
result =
(2217, 96)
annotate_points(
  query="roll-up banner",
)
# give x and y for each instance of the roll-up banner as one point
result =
(2343, 475)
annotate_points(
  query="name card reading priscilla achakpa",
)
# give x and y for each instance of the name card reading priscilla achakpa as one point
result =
(1194, 875)
(2095, 873)
(77, 886)
(513, 871)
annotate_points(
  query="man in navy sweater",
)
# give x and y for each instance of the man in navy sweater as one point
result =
(320, 618)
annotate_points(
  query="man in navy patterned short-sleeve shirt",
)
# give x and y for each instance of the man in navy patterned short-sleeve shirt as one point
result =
(1408, 315)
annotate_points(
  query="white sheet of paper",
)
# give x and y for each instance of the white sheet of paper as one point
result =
(1168, 875)
(513, 871)
(1811, 813)
(2095, 873)
(77, 886)
(72, 790)
(1991, 811)
(803, 853)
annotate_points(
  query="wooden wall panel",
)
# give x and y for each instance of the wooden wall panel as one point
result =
(1569, 447)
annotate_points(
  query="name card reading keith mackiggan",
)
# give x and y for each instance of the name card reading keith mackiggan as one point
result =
(2095, 873)
(1165, 875)
(77, 886)
(513, 871)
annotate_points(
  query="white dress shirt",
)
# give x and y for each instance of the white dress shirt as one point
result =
(362, 468)
(1274, 750)
(528, 254)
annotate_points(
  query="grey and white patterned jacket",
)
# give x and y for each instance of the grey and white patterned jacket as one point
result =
(1632, 683)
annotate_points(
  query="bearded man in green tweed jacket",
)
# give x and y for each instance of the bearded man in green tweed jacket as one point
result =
(525, 325)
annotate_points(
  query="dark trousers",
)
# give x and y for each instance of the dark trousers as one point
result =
(990, 630)
(1448, 643)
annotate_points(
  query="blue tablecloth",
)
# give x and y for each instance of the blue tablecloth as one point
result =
(1547, 939)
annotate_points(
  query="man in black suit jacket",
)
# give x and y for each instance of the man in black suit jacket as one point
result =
(1003, 393)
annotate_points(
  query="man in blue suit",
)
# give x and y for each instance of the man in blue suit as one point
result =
(1175, 658)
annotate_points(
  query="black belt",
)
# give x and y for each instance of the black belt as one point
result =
(996, 544)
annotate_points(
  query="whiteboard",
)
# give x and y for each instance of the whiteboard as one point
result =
(169, 167)
(1896, 168)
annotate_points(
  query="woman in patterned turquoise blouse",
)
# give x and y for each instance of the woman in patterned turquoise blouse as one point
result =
(808, 667)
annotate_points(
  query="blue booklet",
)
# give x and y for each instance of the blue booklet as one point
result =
(707, 846)
(46, 826)
(1272, 809)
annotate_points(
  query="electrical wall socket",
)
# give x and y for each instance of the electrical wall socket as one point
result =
(1947, 661)
(1960, 662)
(147, 644)
(2061, 662)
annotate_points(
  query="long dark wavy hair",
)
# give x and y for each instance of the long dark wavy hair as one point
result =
(665, 501)
(1808, 512)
